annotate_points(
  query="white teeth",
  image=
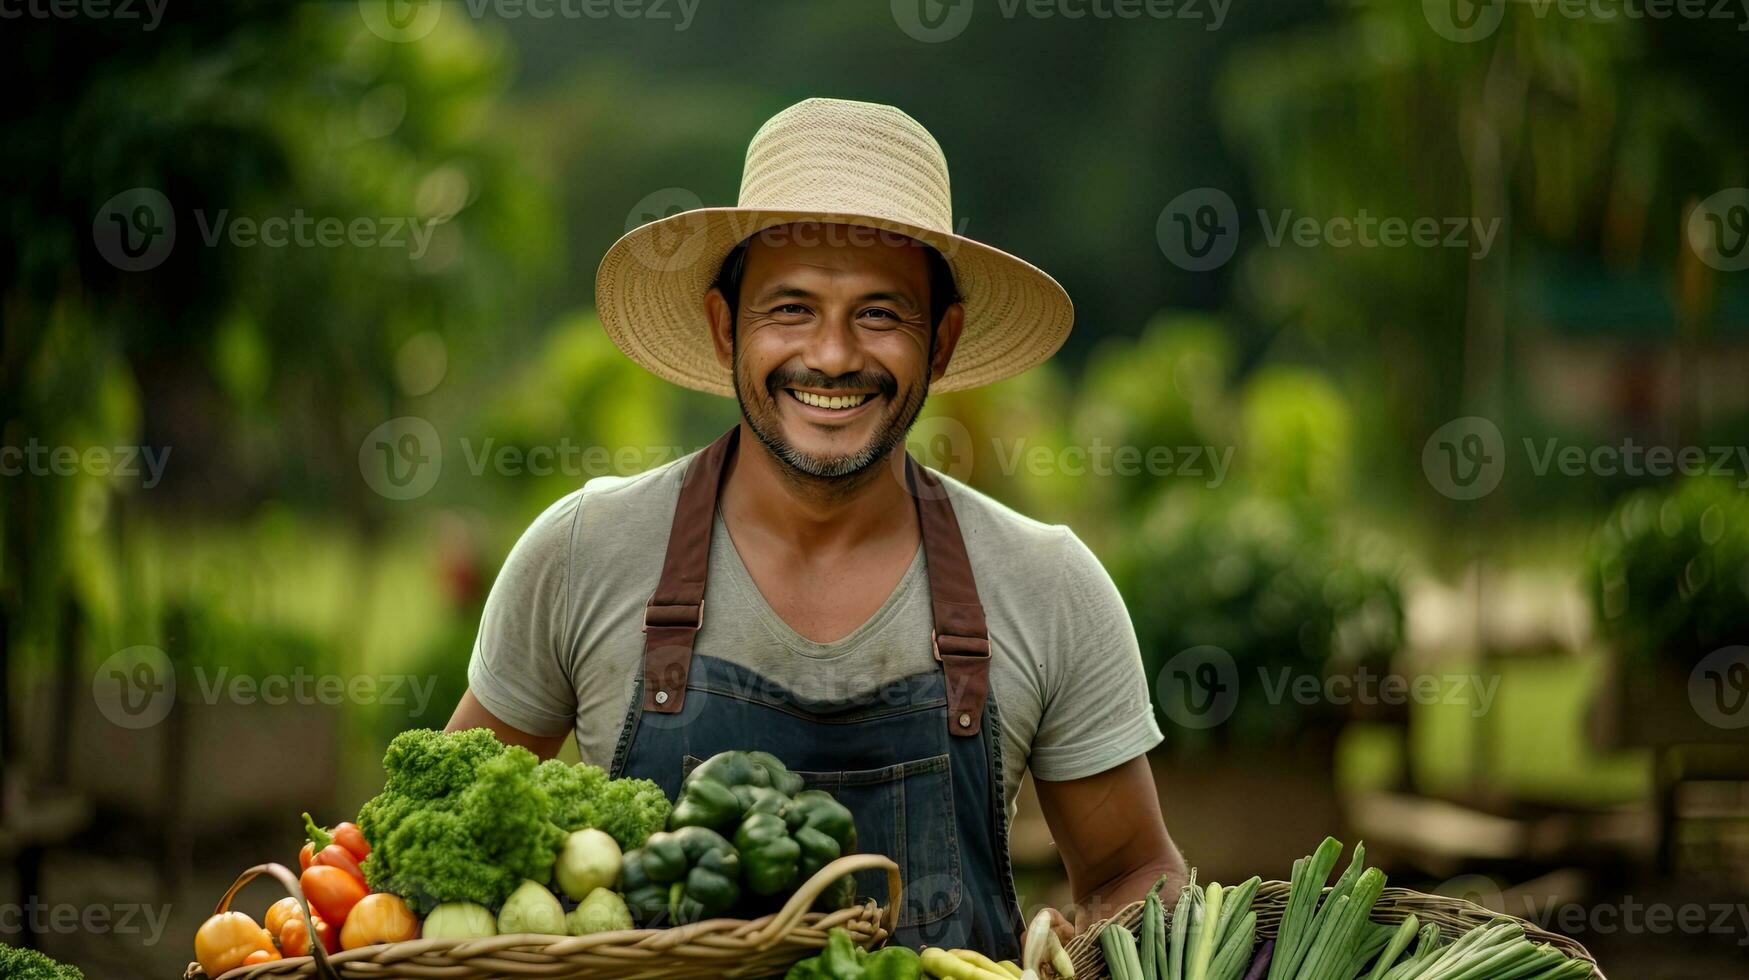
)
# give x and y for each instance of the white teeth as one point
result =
(829, 401)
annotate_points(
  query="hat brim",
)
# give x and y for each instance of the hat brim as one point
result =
(650, 288)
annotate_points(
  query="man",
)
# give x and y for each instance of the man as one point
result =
(905, 642)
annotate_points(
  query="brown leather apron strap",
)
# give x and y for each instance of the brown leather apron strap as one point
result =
(675, 612)
(962, 638)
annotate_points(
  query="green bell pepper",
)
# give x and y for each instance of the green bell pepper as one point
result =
(682, 876)
(825, 831)
(843, 960)
(781, 850)
(728, 786)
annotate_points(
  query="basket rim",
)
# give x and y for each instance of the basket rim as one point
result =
(869, 922)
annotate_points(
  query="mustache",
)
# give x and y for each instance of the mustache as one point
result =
(785, 377)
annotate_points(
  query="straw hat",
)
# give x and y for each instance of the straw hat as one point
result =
(825, 160)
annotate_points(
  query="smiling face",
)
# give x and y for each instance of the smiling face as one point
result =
(831, 344)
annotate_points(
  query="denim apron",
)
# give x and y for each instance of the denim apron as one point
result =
(918, 761)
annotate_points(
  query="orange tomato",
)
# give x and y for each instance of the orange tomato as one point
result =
(331, 891)
(294, 936)
(261, 956)
(379, 918)
(305, 855)
(225, 941)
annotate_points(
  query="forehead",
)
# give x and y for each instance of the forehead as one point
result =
(847, 251)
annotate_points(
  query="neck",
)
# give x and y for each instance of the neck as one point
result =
(763, 494)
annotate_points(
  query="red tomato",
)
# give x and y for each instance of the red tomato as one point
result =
(335, 856)
(332, 892)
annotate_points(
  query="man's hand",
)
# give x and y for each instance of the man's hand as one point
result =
(1112, 840)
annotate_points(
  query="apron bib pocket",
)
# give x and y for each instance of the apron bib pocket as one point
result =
(906, 812)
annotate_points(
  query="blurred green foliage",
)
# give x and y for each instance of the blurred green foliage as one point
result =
(1670, 573)
(525, 144)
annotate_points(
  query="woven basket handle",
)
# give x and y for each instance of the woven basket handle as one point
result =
(811, 890)
(324, 969)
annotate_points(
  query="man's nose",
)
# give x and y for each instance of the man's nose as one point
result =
(834, 349)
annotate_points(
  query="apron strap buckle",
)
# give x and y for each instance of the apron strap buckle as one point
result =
(965, 664)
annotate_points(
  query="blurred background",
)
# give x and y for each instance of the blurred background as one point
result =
(1406, 403)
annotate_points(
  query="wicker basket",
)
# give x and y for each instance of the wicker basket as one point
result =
(714, 948)
(1453, 916)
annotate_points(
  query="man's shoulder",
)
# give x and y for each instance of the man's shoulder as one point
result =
(1005, 541)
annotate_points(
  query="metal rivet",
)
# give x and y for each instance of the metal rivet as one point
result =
(965, 720)
(661, 697)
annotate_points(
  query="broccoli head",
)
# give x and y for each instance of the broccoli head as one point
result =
(629, 811)
(460, 818)
(464, 818)
(28, 964)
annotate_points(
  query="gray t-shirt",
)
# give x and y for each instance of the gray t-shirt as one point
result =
(561, 643)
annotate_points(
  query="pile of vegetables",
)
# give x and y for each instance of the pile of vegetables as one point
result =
(464, 818)
(743, 836)
(344, 912)
(472, 838)
(1212, 935)
(843, 960)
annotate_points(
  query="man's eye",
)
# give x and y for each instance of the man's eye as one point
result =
(791, 309)
(878, 313)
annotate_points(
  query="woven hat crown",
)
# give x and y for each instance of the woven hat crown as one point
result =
(832, 155)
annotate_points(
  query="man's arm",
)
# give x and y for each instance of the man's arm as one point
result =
(470, 713)
(1112, 839)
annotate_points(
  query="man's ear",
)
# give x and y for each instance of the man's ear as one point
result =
(947, 337)
(722, 321)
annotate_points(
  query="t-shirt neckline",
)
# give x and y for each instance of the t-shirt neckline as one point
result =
(742, 584)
